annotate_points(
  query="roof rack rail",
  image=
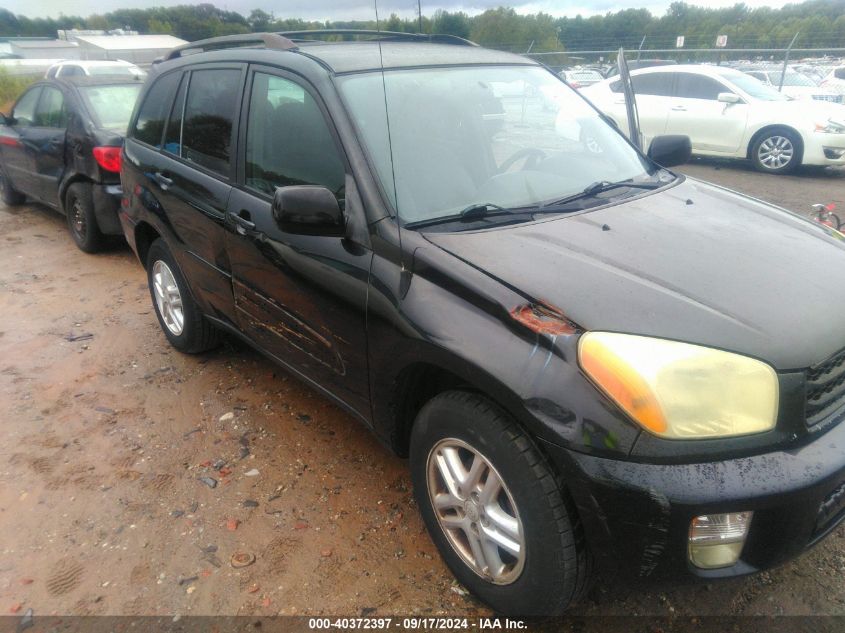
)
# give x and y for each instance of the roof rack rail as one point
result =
(268, 40)
(390, 36)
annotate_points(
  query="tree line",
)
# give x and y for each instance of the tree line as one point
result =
(818, 23)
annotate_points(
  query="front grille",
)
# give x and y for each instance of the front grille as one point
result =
(833, 98)
(825, 389)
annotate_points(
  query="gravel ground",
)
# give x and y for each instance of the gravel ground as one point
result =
(110, 439)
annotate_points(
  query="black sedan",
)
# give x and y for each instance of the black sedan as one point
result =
(61, 146)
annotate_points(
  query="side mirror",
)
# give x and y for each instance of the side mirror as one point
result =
(728, 97)
(308, 210)
(670, 150)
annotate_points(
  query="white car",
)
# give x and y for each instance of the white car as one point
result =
(835, 80)
(80, 68)
(727, 113)
(795, 84)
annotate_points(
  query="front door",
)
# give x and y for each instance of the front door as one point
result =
(301, 297)
(17, 162)
(712, 125)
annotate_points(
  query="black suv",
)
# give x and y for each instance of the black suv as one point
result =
(587, 357)
(61, 146)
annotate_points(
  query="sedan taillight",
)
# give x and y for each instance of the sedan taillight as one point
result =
(108, 158)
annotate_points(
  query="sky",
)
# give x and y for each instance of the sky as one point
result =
(358, 10)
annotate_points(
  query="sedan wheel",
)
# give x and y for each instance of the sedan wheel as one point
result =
(777, 152)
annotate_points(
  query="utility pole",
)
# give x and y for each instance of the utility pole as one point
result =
(419, 14)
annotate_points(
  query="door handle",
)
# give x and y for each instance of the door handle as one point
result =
(679, 108)
(242, 224)
(163, 181)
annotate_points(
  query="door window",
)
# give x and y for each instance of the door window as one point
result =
(288, 140)
(149, 126)
(691, 86)
(210, 108)
(71, 71)
(24, 112)
(656, 84)
(51, 109)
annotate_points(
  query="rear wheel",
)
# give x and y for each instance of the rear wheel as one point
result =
(81, 219)
(178, 314)
(10, 196)
(495, 508)
(777, 151)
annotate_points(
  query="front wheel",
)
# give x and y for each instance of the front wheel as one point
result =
(495, 508)
(178, 314)
(777, 152)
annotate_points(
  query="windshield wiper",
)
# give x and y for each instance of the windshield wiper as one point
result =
(481, 210)
(600, 186)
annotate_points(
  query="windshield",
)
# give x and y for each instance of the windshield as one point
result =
(111, 105)
(754, 88)
(507, 136)
(790, 79)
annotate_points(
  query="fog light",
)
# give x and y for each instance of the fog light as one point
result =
(833, 154)
(716, 540)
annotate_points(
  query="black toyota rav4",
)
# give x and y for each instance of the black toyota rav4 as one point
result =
(591, 361)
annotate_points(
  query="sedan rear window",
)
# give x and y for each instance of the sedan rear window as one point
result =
(111, 105)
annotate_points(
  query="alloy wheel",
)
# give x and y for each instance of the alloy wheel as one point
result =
(776, 152)
(476, 511)
(168, 298)
(78, 218)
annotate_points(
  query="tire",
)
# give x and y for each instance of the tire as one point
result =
(777, 151)
(178, 314)
(552, 568)
(81, 219)
(10, 196)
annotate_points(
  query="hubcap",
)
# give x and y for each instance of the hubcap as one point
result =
(775, 152)
(168, 298)
(78, 218)
(476, 511)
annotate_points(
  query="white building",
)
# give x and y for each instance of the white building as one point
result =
(138, 49)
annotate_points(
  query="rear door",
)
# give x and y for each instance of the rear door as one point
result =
(301, 297)
(47, 142)
(713, 126)
(180, 163)
(17, 160)
(653, 92)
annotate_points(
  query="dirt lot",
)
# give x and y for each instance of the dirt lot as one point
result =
(109, 438)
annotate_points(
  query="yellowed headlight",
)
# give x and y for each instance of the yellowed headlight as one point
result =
(681, 391)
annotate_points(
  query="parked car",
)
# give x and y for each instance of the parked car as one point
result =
(835, 80)
(83, 68)
(61, 146)
(795, 84)
(581, 78)
(587, 357)
(727, 113)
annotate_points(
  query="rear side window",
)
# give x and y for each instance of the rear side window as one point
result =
(24, 112)
(210, 107)
(656, 84)
(173, 136)
(149, 126)
(288, 141)
(691, 86)
(51, 109)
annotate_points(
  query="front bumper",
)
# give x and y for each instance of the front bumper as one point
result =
(822, 148)
(636, 516)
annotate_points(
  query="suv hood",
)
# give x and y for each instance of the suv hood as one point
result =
(694, 262)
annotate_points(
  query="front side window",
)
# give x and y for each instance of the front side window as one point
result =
(149, 126)
(692, 86)
(443, 140)
(51, 109)
(24, 111)
(209, 111)
(288, 140)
